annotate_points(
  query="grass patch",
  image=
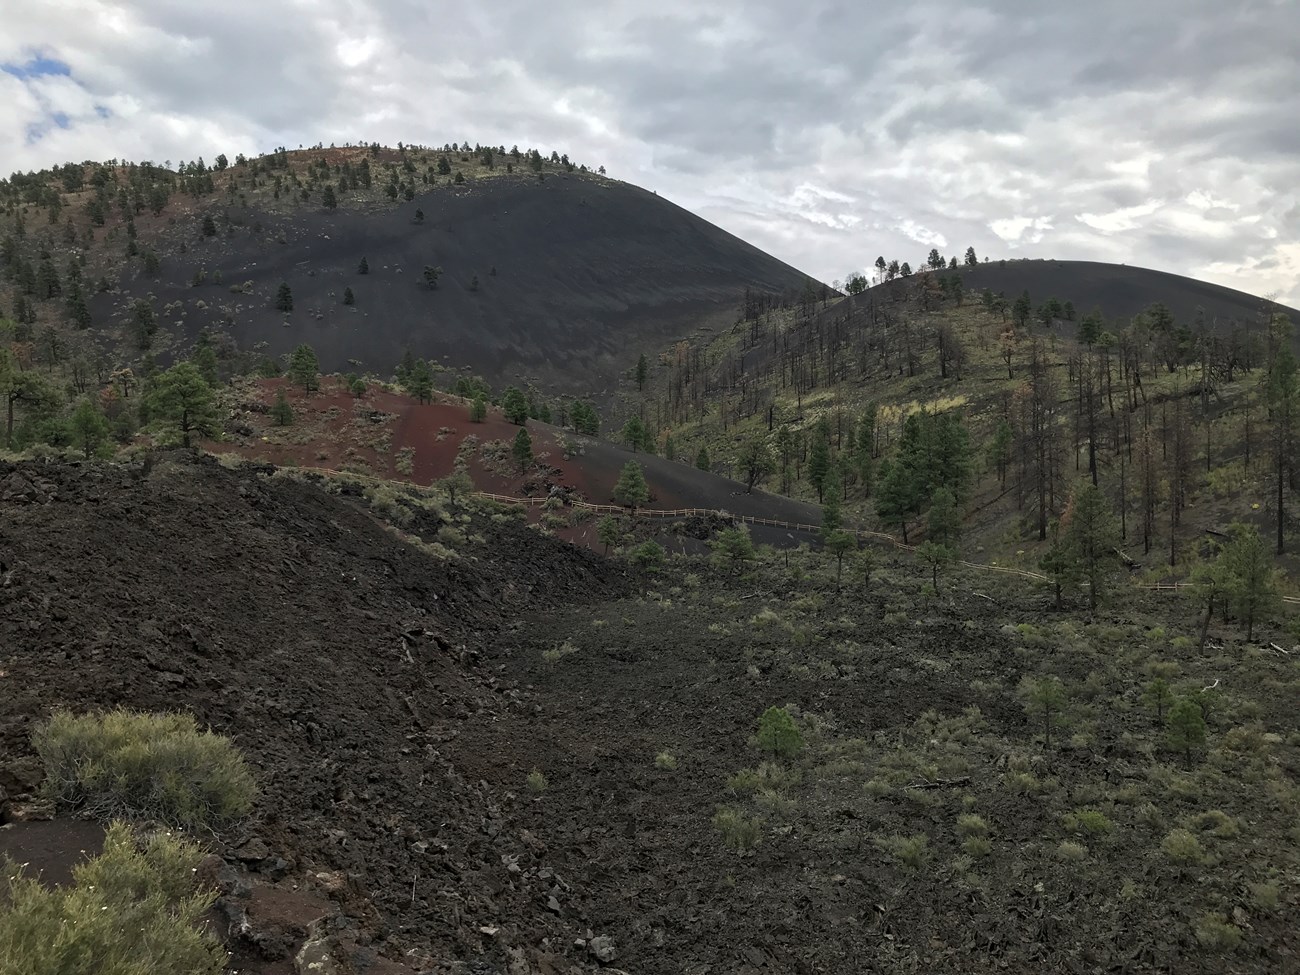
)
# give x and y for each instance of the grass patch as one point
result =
(739, 832)
(159, 766)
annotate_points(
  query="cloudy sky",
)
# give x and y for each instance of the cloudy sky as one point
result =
(1164, 133)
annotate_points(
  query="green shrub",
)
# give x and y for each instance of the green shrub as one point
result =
(131, 910)
(911, 852)
(739, 832)
(778, 734)
(157, 766)
(648, 555)
(1182, 848)
(666, 762)
(971, 825)
(977, 846)
(536, 781)
(1089, 822)
(1072, 852)
(1216, 822)
(1215, 933)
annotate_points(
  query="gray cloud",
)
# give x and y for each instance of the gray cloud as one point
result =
(1159, 134)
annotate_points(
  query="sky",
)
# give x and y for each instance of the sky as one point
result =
(1160, 133)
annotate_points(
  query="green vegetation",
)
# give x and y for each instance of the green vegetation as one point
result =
(183, 405)
(778, 734)
(158, 766)
(631, 489)
(304, 369)
(130, 910)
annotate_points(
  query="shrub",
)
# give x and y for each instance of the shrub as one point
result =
(157, 766)
(977, 846)
(536, 781)
(739, 832)
(1182, 848)
(131, 910)
(1215, 933)
(1216, 822)
(1072, 852)
(971, 825)
(648, 555)
(777, 733)
(911, 852)
(1089, 822)
(666, 762)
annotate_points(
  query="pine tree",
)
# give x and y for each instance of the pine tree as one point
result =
(642, 372)
(819, 457)
(1044, 699)
(363, 267)
(348, 297)
(607, 532)
(304, 369)
(514, 405)
(631, 489)
(183, 403)
(284, 297)
(281, 411)
(420, 383)
(702, 459)
(478, 409)
(1090, 537)
(328, 199)
(1248, 576)
(90, 427)
(522, 450)
(1186, 726)
(633, 433)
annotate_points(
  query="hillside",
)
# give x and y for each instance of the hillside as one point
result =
(1121, 291)
(558, 277)
(481, 750)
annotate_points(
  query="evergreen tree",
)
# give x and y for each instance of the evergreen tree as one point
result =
(304, 369)
(936, 556)
(183, 403)
(281, 411)
(514, 405)
(733, 545)
(431, 275)
(363, 267)
(634, 434)
(702, 459)
(420, 383)
(1021, 310)
(90, 427)
(1044, 699)
(1249, 578)
(209, 226)
(839, 544)
(284, 297)
(831, 517)
(819, 457)
(478, 409)
(755, 461)
(1090, 537)
(607, 532)
(522, 450)
(1186, 726)
(642, 372)
(205, 359)
(328, 199)
(631, 489)
(971, 259)
(348, 297)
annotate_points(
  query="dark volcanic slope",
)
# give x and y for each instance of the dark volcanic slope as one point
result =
(588, 272)
(1118, 290)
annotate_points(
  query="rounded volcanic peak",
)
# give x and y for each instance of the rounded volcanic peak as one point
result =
(560, 279)
(1119, 290)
